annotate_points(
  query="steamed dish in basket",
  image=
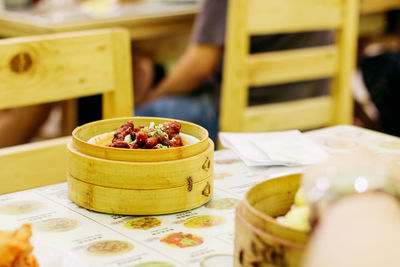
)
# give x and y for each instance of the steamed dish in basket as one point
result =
(298, 215)
(162, 136)
(133, 165)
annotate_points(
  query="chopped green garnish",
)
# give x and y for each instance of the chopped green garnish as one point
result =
(161, 146)
(128, 139)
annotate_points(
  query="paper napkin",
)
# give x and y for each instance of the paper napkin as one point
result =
(288, 148)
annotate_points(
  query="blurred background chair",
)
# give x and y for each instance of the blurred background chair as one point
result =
(242, 70)
(50, 68)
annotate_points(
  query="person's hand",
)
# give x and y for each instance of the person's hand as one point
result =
(349, 173)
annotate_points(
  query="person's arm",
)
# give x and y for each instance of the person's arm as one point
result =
(196, 64)
(357, 231)
(18, 125)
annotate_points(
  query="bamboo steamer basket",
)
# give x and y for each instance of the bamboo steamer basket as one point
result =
(139, 182)
(82, 134)
(259, 239)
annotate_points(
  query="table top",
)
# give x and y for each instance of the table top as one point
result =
(96, 239)
(46, 19)
(177, 14)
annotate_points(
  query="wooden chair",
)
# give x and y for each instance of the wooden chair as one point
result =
(48, 68)
(242, 70)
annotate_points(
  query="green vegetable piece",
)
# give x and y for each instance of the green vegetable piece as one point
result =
(128, 139)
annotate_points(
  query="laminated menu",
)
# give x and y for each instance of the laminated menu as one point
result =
(64, 234)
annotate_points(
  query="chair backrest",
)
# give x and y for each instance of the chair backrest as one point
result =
(48, 68)
(242, 70)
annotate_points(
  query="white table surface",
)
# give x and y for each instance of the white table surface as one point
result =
(61, 226)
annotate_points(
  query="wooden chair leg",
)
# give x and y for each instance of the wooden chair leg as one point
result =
(69, 116)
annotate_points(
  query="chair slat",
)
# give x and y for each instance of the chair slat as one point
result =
(374, 6)
(28, 69)
(119, 102)
(33, 165)
(271, 17)
(347, 44)
(293, 65)
(298, 114)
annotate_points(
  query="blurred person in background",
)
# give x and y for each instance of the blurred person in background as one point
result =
(381, 75)
(191, 90)
(380, 69)
(19, 125)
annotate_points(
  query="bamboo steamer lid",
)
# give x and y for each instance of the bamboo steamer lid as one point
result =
(82, 134)
(259, 238)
